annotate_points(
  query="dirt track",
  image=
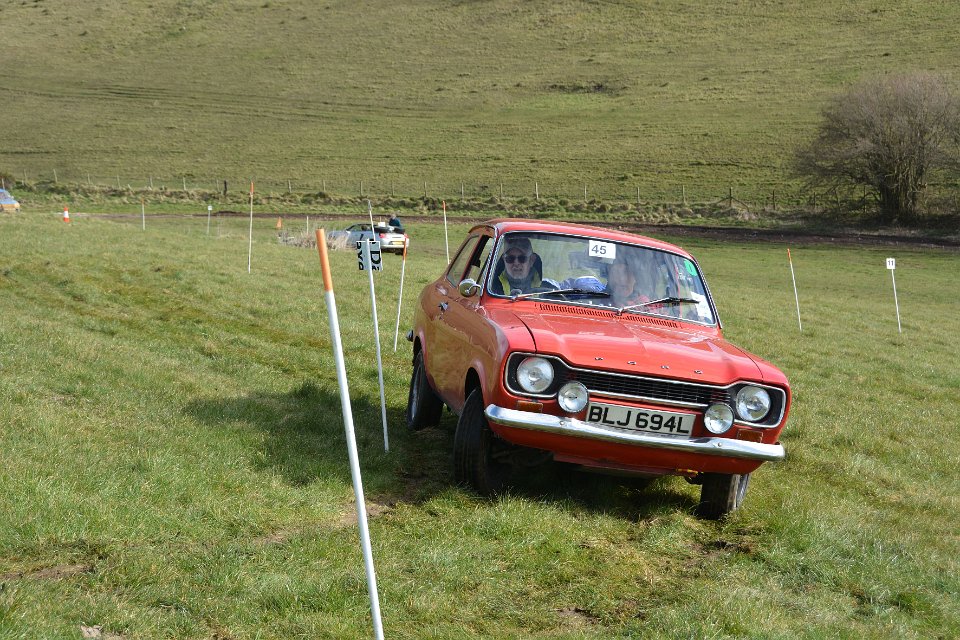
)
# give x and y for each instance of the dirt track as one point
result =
(674, 230)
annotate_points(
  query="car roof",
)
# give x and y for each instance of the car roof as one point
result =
(508, 225)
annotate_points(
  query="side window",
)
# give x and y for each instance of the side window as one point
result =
(461, 260)
(480, 256)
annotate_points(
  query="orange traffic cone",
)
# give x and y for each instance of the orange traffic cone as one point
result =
(66, 215)
(279, 223)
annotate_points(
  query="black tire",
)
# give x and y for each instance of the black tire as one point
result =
(721, 493)
(423, 405)
(476, 449)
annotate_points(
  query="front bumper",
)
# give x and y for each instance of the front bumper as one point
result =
(723, 447)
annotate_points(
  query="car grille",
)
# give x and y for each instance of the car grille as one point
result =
(646, 388)
(650, 389)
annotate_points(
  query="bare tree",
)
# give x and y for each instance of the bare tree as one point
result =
(888, 134)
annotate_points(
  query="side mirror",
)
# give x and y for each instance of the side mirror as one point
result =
(468, 288)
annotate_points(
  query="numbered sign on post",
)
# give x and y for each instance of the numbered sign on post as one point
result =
(376, 262)
(891, 263)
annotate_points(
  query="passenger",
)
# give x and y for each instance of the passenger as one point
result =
(622, 283)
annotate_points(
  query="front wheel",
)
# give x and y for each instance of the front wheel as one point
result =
(423, 405)
(478, 455)
(721, 493)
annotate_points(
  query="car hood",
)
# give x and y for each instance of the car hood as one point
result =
(639, 345)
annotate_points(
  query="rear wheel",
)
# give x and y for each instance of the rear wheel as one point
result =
(480, 459)
(423, 405)
(721, 493)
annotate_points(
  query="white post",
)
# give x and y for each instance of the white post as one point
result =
(209, 211)
(446, 238)
(351, 438)
(403, 268)
(892, 266)
(370, 213)
(143, 214)
(795, 295)
(250, 247)
(368, 265)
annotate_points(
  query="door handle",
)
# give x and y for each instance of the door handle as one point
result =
(443, 306)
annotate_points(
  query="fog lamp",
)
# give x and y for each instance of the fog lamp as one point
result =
(573, 397)
(718, 418)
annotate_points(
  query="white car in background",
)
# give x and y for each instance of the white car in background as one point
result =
(391, 239)
(7, 202)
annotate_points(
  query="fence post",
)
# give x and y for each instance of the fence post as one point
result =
(501, 190)
(683, 194)
(461, 191)
(55, 181)
(361, 188)
(536, 190)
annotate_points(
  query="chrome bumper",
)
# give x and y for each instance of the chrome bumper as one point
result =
(546, 423)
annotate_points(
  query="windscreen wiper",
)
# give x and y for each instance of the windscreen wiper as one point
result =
(554, 292)
(667, 300)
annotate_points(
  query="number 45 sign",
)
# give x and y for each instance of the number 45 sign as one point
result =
(376, 262)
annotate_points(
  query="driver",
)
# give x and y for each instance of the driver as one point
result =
(519, 268)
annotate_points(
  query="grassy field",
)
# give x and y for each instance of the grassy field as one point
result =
(172, 460)
(421, 96)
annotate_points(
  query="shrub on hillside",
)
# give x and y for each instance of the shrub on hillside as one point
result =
(889, 135)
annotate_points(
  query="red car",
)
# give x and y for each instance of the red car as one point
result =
(592, 347)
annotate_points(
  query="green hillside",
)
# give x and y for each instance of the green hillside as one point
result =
(553, 96)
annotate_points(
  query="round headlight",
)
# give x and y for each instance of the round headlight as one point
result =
(718, 418)
(535, 374)
(753, 404)
(572, 397)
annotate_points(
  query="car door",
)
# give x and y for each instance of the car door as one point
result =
(458, 323)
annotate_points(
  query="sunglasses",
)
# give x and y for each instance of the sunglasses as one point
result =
(511, 259)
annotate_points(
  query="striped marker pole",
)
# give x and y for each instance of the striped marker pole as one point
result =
(403, 268)
(795, 294)
(351, 436)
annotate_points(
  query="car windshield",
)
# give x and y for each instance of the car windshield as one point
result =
(628, 278)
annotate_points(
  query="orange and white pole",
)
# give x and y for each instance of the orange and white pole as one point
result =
(351, 436)
(403, 268)
(796, 296)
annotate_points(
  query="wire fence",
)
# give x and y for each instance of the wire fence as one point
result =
(757, 196)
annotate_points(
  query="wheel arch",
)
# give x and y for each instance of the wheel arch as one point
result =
(472, 382)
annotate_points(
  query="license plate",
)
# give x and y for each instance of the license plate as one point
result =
(640, 419)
